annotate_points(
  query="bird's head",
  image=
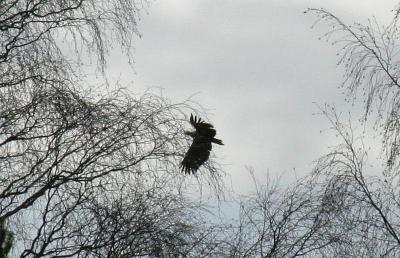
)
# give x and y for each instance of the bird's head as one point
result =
(192, 134)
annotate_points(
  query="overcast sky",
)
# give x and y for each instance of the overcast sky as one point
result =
(257, 67)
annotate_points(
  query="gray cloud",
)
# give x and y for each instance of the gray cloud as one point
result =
(257, 65)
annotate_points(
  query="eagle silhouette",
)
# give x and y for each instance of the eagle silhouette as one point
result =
(199, 151)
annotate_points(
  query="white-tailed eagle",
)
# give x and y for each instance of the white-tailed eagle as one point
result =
(199, 151)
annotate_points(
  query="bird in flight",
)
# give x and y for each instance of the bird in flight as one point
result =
(199, 151)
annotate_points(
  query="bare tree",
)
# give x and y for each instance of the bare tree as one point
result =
(342, 209)
(279, 221)
(88, 173)
(345, 207)
(131, 215)
(362, 205)
(370, 55)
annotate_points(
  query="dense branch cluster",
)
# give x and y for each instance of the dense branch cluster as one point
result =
(86, 173)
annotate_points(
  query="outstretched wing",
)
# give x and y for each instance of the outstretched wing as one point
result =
(198, 153)
(202, 128)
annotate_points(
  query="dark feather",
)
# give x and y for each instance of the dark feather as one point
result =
(199, 151)
(202, 128)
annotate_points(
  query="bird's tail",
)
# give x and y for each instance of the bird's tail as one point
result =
(217, 141)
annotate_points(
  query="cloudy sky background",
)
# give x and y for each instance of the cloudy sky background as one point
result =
(258, 69)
